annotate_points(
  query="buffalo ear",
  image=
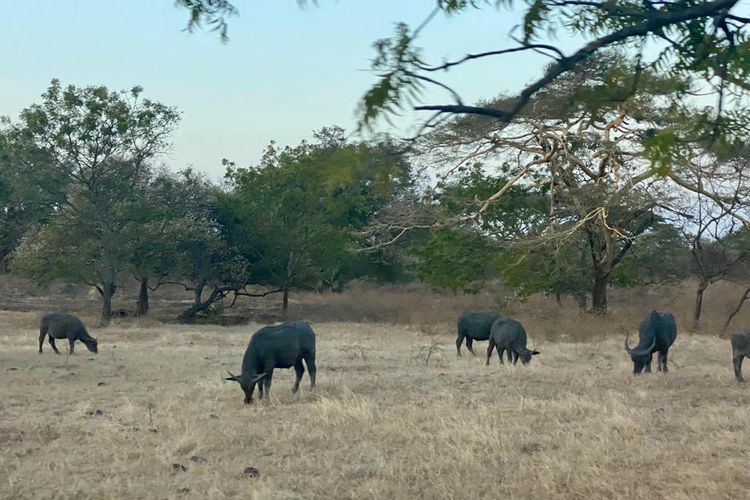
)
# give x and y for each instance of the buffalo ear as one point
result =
(534, 353)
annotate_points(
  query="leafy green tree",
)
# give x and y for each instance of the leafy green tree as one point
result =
(31, 190)
(212, 268)
(455, 259)
(556, 267)
(463, 255)
(102, 143)
(73, 246)
(171, 212)
(296, 214)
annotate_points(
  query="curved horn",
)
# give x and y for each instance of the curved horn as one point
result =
(257, 378)
(628, 349)
(642, 352)
(232, 377)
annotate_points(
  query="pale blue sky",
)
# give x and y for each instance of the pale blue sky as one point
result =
(284, 72)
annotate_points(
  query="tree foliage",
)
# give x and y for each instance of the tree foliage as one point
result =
(296, 214)
(100, 142)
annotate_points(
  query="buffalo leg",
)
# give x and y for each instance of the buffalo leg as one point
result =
(510, 356)
(51, 340)
(311, 370)
(41, 340)
(738, 367)
(648, 363)
(299, 370)
(500, 354)
(71, 341)
(249, 394)
(267, 383)
(490, 347)
(470, 345)
(515, 357)
(663, 362)
(459, 341)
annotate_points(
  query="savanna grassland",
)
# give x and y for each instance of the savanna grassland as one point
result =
(395, 415)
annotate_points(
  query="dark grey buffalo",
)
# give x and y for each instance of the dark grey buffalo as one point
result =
(740, 350)
(656, 333)
(277, 346)
(474, 325)
(59, 325)
(509, 335)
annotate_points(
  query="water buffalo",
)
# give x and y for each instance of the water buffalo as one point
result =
(64, 326)
(509, 335)
(474, 325)
(740, 350)
(277, 346)
(656, 333)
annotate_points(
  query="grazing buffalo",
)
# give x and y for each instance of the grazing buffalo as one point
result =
(509, 335)
(474, 325)
(64, 326)
(740, 350)
(277, 346)
(656, 333)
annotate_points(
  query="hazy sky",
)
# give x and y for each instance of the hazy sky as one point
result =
(285, 71)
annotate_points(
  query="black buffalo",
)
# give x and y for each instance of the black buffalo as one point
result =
(656, 333)
(277, 346)
(509, 335)
(474, 325)
(59, 325)
(740, 350)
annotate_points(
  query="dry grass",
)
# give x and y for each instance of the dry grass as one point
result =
(410, 304)
(383, 423)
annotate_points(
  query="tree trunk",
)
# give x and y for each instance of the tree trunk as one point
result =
(198, 292)
(285, 300)
(745, 296)
(290, 264)
(698, 304)
(189, 314)
(599, 294)
(107, 291)
(142, 306)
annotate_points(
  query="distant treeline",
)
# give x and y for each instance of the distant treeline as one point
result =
(82, 200)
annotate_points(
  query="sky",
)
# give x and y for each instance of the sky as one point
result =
(285, 71)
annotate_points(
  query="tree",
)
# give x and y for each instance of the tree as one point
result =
(102, 142)
(31, 190)
(210, 262)
(701, 41)
(704, 41)
(465, 254)
(593, 153)
(717, 246)
(296, 214)
(170, 215)
(456, 259)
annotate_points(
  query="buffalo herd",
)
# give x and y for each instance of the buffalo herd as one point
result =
(292, 345)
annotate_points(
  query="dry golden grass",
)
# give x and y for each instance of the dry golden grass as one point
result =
(381, 424)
